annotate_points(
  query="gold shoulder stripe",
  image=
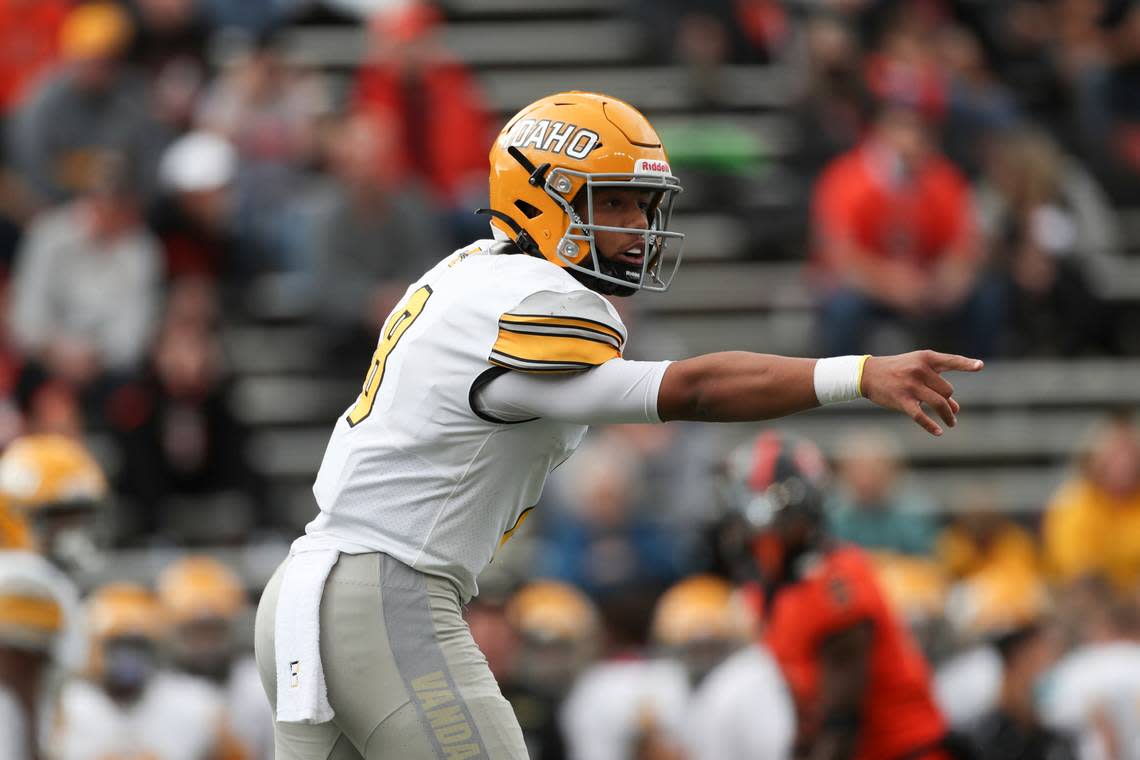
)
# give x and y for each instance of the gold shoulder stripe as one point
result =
(576, 322)
(557, 331)
(551, 349)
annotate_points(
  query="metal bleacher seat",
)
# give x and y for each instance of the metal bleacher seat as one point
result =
(1021, 419)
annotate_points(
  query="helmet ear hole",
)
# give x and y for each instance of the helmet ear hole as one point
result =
(529, 210)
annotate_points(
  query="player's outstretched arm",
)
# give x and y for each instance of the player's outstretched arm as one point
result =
(737, 386)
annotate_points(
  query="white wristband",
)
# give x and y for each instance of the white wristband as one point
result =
(839, 378)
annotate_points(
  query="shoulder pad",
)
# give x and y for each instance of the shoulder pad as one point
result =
(550, 331)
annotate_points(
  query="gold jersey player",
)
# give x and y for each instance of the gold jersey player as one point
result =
(484, 379)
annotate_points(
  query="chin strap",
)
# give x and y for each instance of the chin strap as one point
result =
(522, 239)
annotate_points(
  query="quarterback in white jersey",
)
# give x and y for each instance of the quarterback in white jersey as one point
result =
(483, 380)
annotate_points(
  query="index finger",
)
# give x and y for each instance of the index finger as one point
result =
(953, 362)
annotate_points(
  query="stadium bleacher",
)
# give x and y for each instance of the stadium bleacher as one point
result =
(1020, 417)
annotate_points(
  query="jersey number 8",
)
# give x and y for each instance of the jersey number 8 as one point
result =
(398, 323)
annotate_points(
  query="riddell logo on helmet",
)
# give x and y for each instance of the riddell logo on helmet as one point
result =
(556, 137)
(648, 166)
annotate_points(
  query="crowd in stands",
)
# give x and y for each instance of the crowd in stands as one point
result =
(957, 167)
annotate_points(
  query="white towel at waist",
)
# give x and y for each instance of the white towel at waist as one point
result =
(302, 696)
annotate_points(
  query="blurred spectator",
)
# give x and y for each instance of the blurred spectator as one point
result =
(601, 544)
(1014, 729)
(978, 104)
(194, 216)
(713, 33)
(28, 47)
(90, 106)
(1023, 35)
(872, 505)
(1094, 691)
(895, 240)
(980, 540)
(54, 408)
(676, 462)
(833, 109)
(558, 633)
(905, 70)
(270, 109)
(991, 687)
(1092, 524)
(86, 288)
(373, 232)
(202, 603)
(442, 122)
(249, 17)
(169, 48)
(1050, 232)
(916, 589)
(185, 472)
(1110, 114)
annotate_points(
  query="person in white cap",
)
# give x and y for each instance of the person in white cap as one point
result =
(194, 215)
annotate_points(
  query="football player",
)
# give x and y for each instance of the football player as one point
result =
(861, 687)
(484, 378)
(627, 707)
(202, 602)
(127, 707)
(559, 633)
(31, 619)
(54, 491)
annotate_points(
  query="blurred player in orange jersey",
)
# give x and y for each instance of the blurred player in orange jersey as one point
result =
(860, 684)
(202, 601)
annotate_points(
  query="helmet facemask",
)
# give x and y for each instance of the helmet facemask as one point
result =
(659, 264)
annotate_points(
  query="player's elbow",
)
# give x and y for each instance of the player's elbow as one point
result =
(682, 392)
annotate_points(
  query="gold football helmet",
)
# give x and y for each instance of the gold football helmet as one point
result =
(199, 588)
(124, 622)
(575, 142)
(551, 611)
(52, 489)
(698, 608)
(700, 621)
(202, 599)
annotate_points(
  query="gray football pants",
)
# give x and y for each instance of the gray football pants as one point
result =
(404, 676)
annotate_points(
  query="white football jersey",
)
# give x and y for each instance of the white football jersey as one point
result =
(968, 685)
(612, 703)
(14, 740)
(250, 715)
(1093, 690)
(176, 718)
(742, 711)
(412, 469)
(70, 651)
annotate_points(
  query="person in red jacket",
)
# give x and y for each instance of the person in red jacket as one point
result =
(443, 125)
(859, 681)
(896, 241)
